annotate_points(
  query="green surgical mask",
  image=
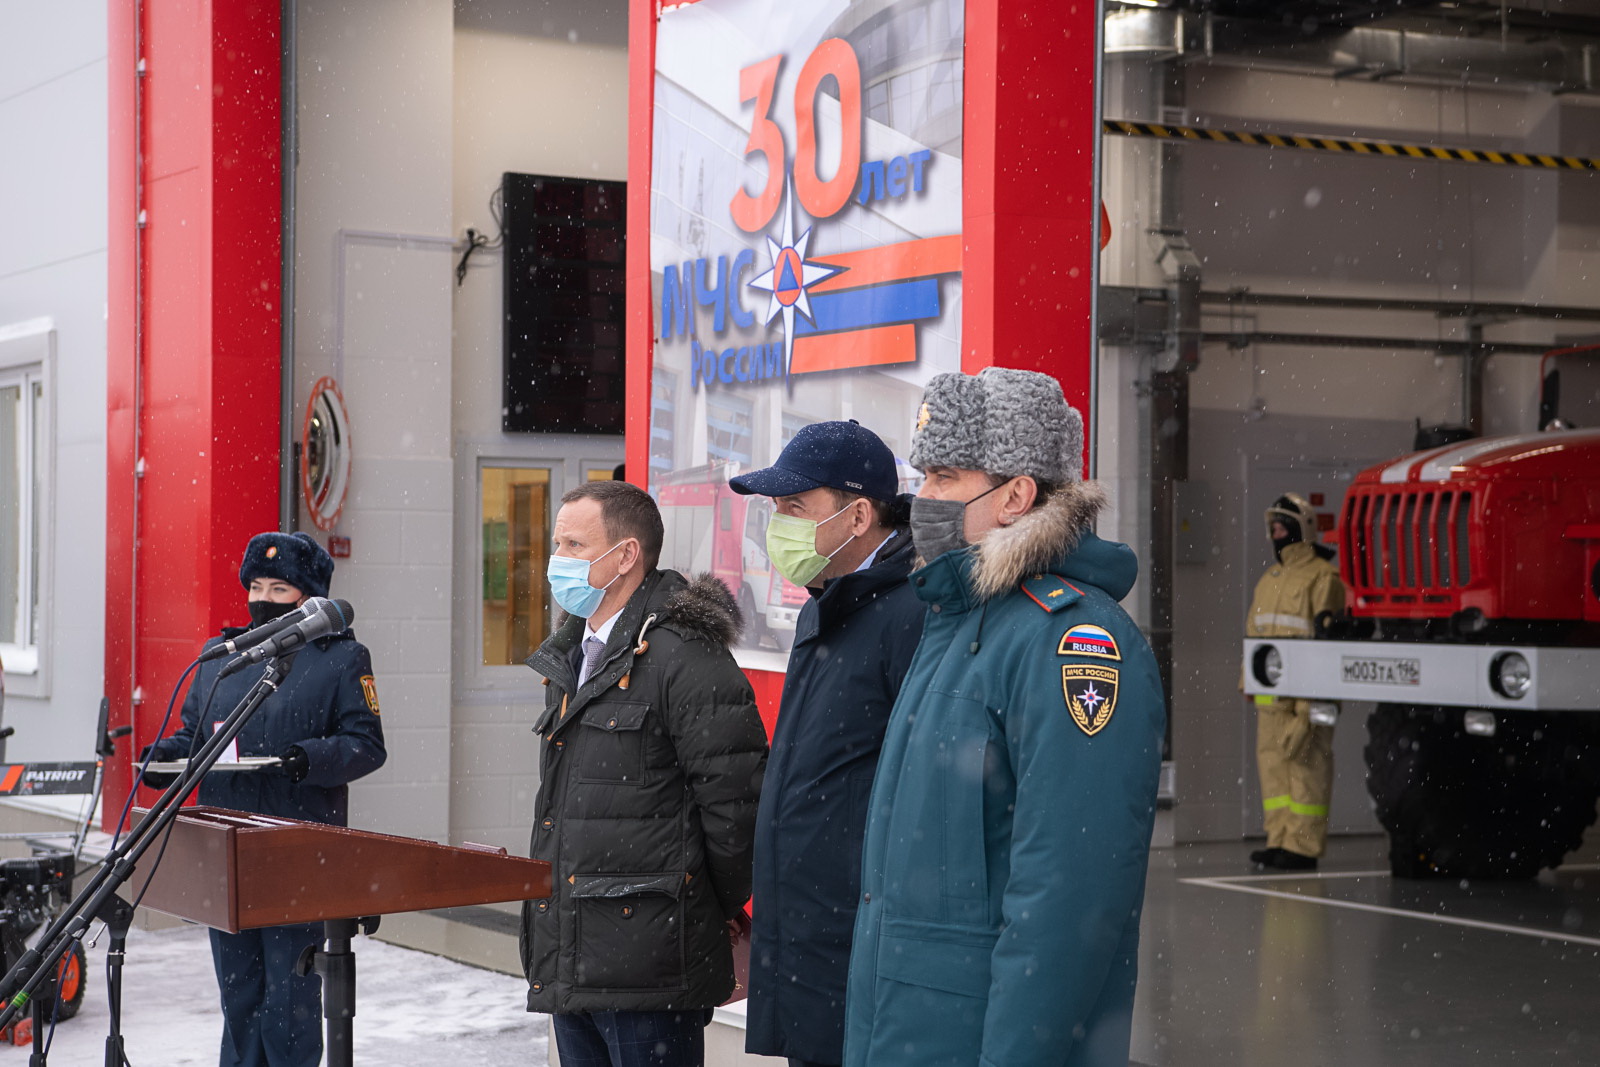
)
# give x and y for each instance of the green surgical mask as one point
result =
(792, 546)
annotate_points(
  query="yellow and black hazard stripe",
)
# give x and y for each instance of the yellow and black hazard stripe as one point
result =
(1391, 149)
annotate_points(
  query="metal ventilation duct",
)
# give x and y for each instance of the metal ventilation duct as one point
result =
(1550, 64)
(1153, 32)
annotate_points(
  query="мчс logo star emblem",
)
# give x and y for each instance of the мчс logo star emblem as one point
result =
(1091, 694)
(791, 275)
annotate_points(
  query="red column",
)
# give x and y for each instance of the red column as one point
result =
(1028, 146)
(641, 321)
(192, 336)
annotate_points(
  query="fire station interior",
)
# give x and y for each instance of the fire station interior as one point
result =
(1277, 320)
(1271, 319)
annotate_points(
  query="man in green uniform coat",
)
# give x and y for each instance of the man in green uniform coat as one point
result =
(1004, 865)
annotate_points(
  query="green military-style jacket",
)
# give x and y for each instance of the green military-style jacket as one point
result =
(1007, 842)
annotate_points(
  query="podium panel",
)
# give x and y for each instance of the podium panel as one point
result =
(233, 871)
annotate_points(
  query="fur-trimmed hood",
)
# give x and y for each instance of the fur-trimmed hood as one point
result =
(1054, 537)
(704, 608)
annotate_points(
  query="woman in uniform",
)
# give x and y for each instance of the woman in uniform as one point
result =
(322, 723)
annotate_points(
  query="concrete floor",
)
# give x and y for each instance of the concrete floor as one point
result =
(1351, 966)
(1345, 967)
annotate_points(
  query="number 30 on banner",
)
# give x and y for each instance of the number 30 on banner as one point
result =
(821, 198)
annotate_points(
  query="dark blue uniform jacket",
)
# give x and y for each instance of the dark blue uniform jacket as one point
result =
(323, 706)
(853, 644)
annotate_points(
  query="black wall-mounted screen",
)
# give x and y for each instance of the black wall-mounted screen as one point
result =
(564, 240)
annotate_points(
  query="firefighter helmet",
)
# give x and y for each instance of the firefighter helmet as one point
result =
(1296, 513)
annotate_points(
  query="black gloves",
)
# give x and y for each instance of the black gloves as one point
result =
(155, 779)
(296, 764)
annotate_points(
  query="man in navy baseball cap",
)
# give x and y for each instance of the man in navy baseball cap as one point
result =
(838, 455)
(839, 529)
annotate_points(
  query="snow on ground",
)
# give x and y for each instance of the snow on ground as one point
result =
(412, 1009)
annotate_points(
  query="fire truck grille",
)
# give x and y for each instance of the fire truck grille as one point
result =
(1411, 540)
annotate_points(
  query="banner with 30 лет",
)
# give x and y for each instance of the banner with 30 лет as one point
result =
(805, 250)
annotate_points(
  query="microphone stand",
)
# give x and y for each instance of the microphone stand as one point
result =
(98, 899)
(118, 917)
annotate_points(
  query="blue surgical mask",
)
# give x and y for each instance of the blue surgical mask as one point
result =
(569, 583)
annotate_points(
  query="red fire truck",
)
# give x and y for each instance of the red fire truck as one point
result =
(1473, 573)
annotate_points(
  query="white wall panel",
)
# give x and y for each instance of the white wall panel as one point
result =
(374, 84)
(53, 197)
(532, 105)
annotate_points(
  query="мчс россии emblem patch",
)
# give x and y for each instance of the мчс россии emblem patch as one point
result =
(1091, 694)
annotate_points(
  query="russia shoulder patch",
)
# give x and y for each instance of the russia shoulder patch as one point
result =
(1050, 592)
(369, 689)
(1087, 639)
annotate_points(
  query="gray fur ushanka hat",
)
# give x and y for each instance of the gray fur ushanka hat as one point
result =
(1000, 421)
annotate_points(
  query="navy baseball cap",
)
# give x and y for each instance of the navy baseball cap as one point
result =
(839, 455)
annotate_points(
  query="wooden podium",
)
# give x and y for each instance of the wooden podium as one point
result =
(234, 871)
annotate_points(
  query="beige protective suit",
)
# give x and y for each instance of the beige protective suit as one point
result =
(1293, 755)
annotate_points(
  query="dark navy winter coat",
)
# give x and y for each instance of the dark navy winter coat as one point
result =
(853, 644)
(328, 706)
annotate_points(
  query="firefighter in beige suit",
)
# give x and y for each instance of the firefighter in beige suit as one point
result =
(1294, 738)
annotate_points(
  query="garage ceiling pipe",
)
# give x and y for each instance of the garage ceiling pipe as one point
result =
(1442, 308)
(1169, 390)
(1246, 338)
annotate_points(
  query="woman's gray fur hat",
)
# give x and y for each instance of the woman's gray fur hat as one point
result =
(1000, 421)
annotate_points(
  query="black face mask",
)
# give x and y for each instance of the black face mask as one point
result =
(264, 611)
(940, 526)
(1292, 536)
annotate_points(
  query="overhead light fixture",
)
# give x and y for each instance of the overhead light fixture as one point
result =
(1141, 3)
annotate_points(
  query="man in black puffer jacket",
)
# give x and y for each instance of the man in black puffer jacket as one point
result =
(650, 771)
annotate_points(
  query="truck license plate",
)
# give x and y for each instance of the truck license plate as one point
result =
(1376, 670)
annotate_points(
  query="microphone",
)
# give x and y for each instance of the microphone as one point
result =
(257, 634)
(317, 617)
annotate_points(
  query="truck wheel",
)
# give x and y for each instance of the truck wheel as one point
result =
(1461, 806)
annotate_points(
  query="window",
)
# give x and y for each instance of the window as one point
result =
(516, 547)
(728, 429)
(663, 421)
(24, 491)
(793, 423)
